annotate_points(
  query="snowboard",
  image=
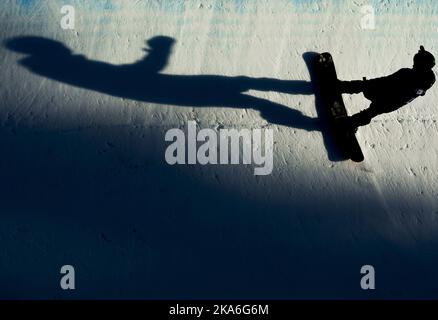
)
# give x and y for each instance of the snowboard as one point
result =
(337, 113)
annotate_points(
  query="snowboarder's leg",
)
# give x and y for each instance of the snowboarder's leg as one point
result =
(351, 87)
(364, 117)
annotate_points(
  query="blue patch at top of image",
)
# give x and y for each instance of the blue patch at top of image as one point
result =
(27, 6)
(107, 5)
(416, 7)
(26, 3)
(314, 6)
(174, 6)
(240, 6)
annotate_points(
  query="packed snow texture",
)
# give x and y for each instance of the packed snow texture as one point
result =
(84, 182)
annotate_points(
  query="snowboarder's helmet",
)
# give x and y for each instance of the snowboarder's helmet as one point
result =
(424, 60)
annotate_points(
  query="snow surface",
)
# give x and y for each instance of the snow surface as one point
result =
(83, 179)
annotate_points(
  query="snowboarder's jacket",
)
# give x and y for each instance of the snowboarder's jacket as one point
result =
(396, 90)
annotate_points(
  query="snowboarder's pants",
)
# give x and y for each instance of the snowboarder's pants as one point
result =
(364, 117)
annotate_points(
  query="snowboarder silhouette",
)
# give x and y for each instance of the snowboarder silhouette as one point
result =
(390, 93)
